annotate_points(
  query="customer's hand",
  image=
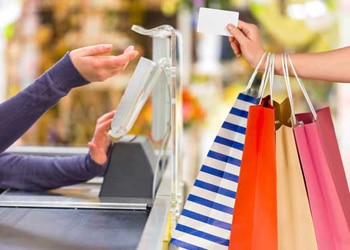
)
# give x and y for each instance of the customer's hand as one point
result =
(95, 63)
(101, 141)
(246, 41)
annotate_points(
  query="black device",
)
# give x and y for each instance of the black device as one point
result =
(131, 170)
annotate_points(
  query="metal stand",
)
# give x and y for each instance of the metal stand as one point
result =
(164, 53)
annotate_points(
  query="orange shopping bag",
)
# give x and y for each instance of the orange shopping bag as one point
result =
(254, 224)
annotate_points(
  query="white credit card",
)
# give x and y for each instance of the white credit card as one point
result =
(214, 21)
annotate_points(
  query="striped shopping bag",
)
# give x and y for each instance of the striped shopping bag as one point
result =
(205, 221)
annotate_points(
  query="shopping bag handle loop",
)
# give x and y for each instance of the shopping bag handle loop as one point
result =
(264, 76)
(284, 63)
(285, 60)
(272, 75)
(255, 72)
(268, 76)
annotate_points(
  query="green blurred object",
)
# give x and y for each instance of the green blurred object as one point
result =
(304, 33)
(9, 31)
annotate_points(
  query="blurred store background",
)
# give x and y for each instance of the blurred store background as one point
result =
(34, 34)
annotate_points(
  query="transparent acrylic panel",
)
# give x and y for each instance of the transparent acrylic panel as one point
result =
(145, 76)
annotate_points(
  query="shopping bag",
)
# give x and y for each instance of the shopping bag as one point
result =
(205, 220)
(324, 173)
(254, 224)
(295, 226)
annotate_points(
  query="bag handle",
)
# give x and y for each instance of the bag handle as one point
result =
(288, 86)
(272, 75)
(285, 61)
(268, 75)
(255, 72)
(302, 87)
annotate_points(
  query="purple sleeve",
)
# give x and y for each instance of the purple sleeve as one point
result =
(37, 173)
(19, 113)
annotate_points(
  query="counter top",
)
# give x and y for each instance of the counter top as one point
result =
(63, 229)
(75, 218)
(69, 218)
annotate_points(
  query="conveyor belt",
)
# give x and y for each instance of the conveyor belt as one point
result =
(65, 229)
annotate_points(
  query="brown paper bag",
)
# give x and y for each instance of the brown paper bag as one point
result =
(295, 226)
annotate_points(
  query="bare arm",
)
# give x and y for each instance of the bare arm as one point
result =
(331, 65)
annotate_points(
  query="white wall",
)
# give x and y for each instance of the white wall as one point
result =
(9, 12)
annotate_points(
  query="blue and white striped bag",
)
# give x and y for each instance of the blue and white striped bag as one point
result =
(205, 221)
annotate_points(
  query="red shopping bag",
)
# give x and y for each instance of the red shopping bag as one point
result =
(254, 224)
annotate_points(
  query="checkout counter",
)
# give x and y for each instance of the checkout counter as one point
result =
(92, 215)
(76, 217)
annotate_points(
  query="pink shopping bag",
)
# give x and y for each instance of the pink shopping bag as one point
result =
(325, 179)
(324, 174)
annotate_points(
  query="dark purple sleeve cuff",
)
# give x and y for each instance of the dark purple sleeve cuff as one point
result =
(65, 75)
(37, 173)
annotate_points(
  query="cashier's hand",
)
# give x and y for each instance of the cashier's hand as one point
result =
(100, 142)
(95, 63)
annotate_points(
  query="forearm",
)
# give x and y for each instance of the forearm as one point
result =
(36, 173)
(20, 112)
(333, 66)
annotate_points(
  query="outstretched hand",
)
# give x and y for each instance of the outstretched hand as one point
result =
(245, 41)
(101, 141)
(95, 63)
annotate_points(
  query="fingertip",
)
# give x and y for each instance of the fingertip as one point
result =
(133, 54)
(129, 48)
(107, 46)
(230, 26)
(136, 53)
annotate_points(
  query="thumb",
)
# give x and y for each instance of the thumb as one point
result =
(129, 48)
(92, 146)
(236, 33)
